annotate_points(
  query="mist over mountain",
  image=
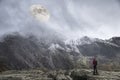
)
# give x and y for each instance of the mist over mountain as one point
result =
(21, 52)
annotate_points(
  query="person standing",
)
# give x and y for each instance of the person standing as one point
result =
(95, 71)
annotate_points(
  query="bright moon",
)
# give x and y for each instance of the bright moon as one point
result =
(40, 13)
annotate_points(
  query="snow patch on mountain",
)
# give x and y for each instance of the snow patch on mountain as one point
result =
(81, 41)
(107, 42)
(53, 47)
(74, 48)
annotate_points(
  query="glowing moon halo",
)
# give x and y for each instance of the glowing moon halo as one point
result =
(40, 13)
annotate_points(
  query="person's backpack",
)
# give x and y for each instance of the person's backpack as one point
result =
(94, 62)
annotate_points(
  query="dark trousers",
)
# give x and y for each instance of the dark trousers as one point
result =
(95, 72)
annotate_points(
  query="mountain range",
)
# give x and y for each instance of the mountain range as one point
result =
(21, 52)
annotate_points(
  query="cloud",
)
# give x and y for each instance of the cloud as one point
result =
(70, 18)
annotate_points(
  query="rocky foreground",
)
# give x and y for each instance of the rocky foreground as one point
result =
(76, 74)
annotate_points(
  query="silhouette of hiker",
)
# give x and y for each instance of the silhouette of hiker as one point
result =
(95, 72)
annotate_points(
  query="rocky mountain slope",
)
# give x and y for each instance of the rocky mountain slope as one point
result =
(106, 51)
(20, 52)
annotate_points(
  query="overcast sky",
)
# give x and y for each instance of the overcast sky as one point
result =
(69, 18)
